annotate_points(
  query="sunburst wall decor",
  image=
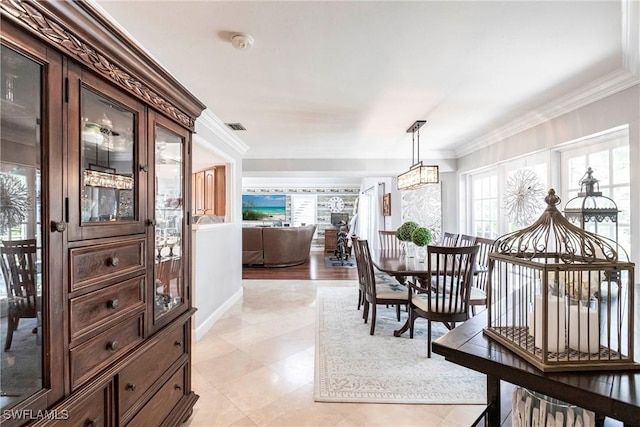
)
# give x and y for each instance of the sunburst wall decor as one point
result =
(14, 201)
(523, 197)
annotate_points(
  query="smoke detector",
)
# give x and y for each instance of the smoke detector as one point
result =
(241, 41)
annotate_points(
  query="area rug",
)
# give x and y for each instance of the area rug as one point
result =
(21, 366)
(353, 366)
(335, 262)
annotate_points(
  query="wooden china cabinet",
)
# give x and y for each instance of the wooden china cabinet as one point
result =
(95, 168)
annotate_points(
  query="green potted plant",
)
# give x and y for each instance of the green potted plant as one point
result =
(405, 230)
(404, 235)
(421, 237)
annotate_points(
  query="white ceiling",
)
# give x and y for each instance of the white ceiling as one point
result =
(345, 79)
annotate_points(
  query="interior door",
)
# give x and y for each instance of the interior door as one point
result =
(106, 139)
(171, 242)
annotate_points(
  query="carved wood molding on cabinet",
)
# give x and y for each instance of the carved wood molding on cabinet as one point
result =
(53, 31)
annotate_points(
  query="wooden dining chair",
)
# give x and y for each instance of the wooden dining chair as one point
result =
(19, 271)
(446, 297)
(466, 240)
(361, 272)
(385, 292)
(389, 240)
(168, 276)
(479, 288)
(449, 239)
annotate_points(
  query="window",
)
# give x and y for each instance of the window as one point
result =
(484, 205)
(487, 214)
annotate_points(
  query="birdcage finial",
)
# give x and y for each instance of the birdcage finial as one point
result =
(552, 199)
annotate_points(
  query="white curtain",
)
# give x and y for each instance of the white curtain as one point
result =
(370, 215)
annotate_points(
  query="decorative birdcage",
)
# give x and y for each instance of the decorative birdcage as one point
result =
(590, 207)
(562, 297)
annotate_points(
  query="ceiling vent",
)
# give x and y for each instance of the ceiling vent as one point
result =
(236, 126)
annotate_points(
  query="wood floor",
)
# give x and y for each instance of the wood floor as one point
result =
(313, 269)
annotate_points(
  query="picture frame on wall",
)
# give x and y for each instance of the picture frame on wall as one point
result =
(386, 204)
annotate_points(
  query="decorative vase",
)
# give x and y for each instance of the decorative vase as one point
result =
(410, 249)
(421, 253)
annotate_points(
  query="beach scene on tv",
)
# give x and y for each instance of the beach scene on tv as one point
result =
(268, 207)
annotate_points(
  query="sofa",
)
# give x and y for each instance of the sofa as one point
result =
(276, 246)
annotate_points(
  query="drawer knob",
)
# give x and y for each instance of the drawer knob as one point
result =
(131, 387)
(114, 261)
(177, 387)
(114, 303)
(178, 343)
(112, 345)
(58, 226)
(92, 422)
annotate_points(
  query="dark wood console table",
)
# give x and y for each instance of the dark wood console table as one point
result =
(614, 394)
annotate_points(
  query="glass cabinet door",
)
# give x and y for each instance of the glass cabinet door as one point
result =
(21, 229)
(106, 199)
(170, 223)
(107, 155)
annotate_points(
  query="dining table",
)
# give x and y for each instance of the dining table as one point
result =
(397, 264)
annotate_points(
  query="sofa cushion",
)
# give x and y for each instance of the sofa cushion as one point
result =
(252, 252)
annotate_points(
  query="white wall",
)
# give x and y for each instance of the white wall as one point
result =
(217, 249)
(449, 202)
(622, 108)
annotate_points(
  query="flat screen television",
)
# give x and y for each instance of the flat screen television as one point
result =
(339, 219)
(267, 207)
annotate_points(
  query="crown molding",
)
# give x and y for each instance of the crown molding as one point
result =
(621, 79)
(598, 89)
(213, 124)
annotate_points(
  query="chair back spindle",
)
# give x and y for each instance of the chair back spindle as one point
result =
(449, 239)
(389, 240)
(466, 240)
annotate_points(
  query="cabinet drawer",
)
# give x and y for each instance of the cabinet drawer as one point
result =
(91, 410)
(163, 402)
(97, 263)
(330, 239)
(89, 357)
(138, 376)
(99, 309)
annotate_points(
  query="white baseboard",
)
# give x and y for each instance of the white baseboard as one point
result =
(201, 330)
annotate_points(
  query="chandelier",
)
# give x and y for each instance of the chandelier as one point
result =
(418, 174)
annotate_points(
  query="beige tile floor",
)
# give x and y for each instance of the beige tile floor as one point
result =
(255, 368)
